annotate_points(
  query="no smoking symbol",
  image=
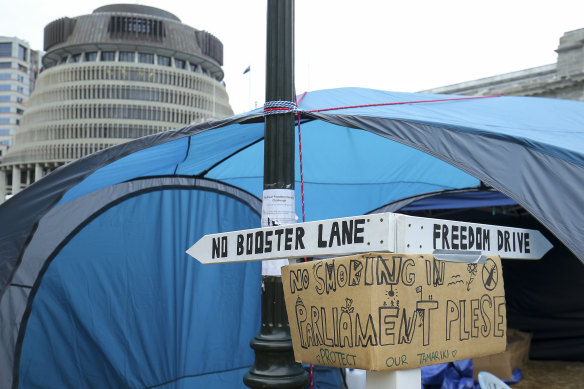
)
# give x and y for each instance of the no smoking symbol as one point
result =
(490, 275)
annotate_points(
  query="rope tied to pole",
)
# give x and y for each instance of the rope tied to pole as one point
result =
(279, 107)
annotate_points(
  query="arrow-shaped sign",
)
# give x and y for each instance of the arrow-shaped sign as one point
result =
(384, 232)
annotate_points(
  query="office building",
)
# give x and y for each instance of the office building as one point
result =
(19, 66)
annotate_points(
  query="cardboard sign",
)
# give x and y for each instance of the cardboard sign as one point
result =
(382, 311)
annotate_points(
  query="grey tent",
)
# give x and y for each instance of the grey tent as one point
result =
(96, 289)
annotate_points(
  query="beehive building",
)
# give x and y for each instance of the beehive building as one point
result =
(122, 72)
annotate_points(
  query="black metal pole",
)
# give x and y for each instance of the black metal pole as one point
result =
(279, 129)
(274, 365)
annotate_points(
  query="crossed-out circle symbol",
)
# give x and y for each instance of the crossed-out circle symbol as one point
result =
(490, 275)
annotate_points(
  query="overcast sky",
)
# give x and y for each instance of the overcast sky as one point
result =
(404, 45)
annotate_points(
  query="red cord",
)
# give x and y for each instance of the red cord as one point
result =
(401, 102)
(337, 108)
(302, 193)
(276, 109)
(301, 168)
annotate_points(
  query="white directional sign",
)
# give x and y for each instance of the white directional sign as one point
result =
(424, 235)
(384, 232)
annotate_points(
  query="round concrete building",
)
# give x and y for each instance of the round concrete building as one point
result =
(122, 72)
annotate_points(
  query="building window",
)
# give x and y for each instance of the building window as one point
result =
(22, 53)
(5, 76)
(163, 61)
(108, 56)
(91, 56)
(145, 58)
(179, 63)
(140, 27)
(5, 65)
(4, 87)
(5, 49)
(4, 109)
(75, 58)
(126, 56)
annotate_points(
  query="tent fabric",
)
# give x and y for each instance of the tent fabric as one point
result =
(44, 194)
(338, 180)
(543, 298)
(452, 199)
(138, 272)
(544, 132)
(203, 206)
(62, 220)
(356, 160)
(513, 144)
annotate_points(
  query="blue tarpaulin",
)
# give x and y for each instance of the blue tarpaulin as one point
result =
(92, 261)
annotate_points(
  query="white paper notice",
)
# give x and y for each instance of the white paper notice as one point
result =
(278, 208)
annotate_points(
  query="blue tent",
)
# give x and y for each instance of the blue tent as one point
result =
(97, 291)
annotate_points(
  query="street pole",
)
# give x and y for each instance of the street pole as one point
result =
(274, 365)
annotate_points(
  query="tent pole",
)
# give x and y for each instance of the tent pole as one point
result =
(274, 365)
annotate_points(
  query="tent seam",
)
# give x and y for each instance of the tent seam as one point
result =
(165, 137)
(330, 118)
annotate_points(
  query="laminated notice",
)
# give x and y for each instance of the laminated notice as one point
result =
(278, 208)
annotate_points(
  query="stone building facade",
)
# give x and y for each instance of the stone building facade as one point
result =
(562, 80)
(122, 72)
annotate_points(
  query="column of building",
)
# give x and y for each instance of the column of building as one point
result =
(2, 186)
(16, 179)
